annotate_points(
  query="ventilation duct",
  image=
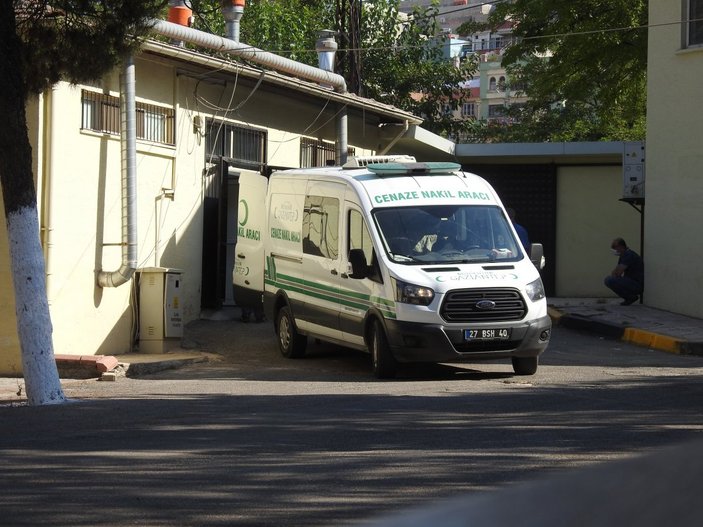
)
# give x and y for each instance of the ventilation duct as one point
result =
(128, 147)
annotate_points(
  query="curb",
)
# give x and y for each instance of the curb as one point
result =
(135, 369)
(633, 335)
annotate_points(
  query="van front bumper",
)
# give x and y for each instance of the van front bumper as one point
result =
(417, 342)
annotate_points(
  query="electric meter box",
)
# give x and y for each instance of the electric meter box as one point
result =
(160, 316)
(633, 164)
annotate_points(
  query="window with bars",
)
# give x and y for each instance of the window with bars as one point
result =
(317, 153)
(101, 113)
(244, 145)
(468, 109)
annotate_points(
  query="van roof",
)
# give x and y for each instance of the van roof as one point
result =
(396, 182)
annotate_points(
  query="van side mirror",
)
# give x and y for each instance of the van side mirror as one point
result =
(359, 267)
(537, 255)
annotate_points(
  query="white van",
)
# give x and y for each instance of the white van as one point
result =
(411, 262)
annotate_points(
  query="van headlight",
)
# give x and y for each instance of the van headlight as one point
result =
(413, 294)
(535, 290)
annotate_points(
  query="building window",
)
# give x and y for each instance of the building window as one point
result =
(317, 153)
(695, 23)
(492, 84)
(468, 109)
(101, 113)
(501, 84)
(495, 111)
(242, 145)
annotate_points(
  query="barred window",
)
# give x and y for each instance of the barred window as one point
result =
(244, 145)
(101, 113)
(317, 153)
(468, 109)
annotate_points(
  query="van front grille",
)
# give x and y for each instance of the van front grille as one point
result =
(483, 305)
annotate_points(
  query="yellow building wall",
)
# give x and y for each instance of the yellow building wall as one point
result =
(589, 216)
(78, 177)
(674, 180)
(10, 361)
(78, 174)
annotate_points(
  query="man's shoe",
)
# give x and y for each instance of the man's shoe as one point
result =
(629, 301)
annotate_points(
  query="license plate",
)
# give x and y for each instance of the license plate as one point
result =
(487, 334)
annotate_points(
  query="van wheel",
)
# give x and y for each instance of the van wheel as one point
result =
(384, 364)
(525, 365)
(291, 343)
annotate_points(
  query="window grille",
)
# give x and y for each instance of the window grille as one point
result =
(101, 113)
(468, 109)
(243, 145)
(317, 153)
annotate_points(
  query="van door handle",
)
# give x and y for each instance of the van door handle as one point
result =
(334, 272)
(240, 255)
(344, 275)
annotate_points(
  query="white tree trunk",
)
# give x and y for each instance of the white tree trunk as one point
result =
(34, 327)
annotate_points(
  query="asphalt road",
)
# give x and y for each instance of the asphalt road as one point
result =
(256, 439)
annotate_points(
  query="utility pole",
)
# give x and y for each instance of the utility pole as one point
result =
(348, 17)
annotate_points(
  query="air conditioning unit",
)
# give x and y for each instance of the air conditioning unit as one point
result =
(633, 170)
(362, 161)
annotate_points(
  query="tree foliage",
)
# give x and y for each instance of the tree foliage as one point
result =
(404, 66)
(401, 64)
(78, 40)
(289, 28)
(583, 67)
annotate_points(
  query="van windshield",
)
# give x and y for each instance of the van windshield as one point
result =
(447, 234)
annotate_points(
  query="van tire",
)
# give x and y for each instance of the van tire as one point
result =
(525, 365)
(384, 364)
(291, 343)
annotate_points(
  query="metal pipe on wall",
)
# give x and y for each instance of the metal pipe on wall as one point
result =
(128, 147)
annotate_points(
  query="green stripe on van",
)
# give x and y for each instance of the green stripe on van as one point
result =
(344, 297)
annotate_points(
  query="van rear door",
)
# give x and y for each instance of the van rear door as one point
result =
(248, 272)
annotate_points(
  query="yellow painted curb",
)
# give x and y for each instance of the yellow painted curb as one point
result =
(652, 340)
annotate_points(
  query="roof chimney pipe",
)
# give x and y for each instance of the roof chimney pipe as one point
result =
(232, 11)
(326, 48)
(180, 14)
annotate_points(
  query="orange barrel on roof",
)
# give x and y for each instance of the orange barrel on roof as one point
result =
(180, 15)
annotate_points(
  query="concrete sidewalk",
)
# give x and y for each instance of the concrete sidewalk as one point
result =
(637, 323)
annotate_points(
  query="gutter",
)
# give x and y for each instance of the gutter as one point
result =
(233, 47)
(303, 86)
(225, 45)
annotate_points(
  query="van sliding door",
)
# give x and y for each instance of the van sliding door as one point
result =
(321, 258)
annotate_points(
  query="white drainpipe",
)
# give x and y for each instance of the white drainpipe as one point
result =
(128, 147)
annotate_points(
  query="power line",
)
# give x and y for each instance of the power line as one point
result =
(465, 8)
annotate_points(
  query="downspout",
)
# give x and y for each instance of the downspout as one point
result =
(49, 213)
(326, 48)
(341, 150)
(128, 147)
